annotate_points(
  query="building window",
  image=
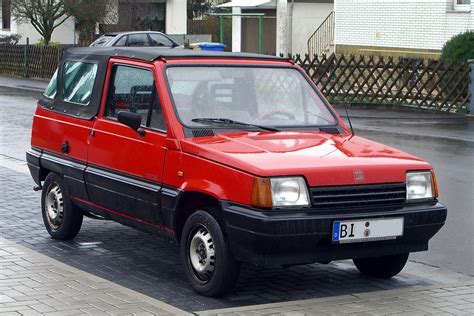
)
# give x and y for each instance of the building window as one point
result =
(6, 14)
(462, 5)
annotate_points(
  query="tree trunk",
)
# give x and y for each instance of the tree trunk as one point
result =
(86, 32)
(47, 38)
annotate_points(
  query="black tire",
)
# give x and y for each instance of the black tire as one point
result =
(215, 256)
(382, 267)
(61, 219)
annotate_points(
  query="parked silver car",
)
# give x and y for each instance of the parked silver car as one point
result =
(139, 38)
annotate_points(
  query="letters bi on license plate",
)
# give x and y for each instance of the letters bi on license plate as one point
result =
(361, 230)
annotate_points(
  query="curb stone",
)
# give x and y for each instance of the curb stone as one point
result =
(340, 300)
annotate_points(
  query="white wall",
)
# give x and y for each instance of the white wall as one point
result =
(307, 17)
(176, 17)
(416, 24)
(63, 34)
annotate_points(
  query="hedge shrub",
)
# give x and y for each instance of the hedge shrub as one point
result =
(460, 48)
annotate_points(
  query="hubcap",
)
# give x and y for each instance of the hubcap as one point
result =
(202, 253)
(54, 206)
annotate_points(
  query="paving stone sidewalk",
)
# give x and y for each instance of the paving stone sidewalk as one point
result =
(34, 284)
(457, 299)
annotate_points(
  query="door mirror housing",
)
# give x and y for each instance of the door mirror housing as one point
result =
(132, 120)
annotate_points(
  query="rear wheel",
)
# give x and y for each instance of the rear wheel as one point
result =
(209, 266)
(61, 219)
(382, 267)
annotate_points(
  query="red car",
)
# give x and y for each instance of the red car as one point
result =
(238, 157)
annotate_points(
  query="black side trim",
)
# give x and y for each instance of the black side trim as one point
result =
(169, 202)
(63, 166)
(72, 171)
(33, 160)
(123, 198)
(125, 194)
(126, 185)
(122, 218)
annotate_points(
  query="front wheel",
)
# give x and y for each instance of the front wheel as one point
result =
(61, 219)
(382, 267)
(208, 264)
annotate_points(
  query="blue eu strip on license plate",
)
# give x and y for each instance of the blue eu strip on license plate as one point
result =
(335, 231)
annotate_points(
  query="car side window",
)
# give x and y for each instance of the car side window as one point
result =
(122, 41)
(52, 88)
(78, 81)
(140, 39)
(133, 90)
(159, 40)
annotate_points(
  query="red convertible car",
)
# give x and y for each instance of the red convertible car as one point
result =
(237, 157)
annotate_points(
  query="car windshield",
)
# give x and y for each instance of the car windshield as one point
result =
(265, 96)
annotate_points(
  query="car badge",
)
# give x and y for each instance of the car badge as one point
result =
(358, 175)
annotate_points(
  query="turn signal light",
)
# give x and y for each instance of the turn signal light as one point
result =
(435, 185)
(262, 193)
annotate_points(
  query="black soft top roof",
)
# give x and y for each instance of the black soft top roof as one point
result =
(153, 53)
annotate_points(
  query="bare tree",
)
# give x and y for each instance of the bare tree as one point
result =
(89, 14)
(197, 8)
(44, 15)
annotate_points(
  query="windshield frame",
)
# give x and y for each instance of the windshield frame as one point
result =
(336, 124)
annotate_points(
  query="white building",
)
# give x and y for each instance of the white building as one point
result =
(400, 27)
(174, 13)
(294, 21)
(391, 27)
(64, 33)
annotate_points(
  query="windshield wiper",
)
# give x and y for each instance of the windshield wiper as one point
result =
(226, 121)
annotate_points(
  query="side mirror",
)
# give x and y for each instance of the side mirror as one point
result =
(132, 120)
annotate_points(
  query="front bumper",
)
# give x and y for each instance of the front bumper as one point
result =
(304, 235)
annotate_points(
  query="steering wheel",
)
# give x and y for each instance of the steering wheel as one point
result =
(287, 114)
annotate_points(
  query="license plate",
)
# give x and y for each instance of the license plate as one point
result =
(367, 230)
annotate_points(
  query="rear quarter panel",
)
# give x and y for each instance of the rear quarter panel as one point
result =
(51, 130)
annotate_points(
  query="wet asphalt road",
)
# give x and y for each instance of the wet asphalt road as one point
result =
(452, 247)
(453, 162)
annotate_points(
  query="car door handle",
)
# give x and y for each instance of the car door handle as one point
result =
(65, 147)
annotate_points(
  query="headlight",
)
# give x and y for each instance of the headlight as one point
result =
(289, 192)
(280, 192)
(420, 185)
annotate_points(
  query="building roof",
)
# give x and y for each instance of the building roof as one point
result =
(154, 53)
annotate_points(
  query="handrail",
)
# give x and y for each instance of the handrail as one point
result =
(319, 41)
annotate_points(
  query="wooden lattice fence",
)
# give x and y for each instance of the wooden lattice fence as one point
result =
(30, 60)
(428, 84)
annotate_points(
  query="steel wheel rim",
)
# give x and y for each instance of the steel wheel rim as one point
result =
(54, 206)
(202, 253)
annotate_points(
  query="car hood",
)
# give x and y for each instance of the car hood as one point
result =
(323, 159)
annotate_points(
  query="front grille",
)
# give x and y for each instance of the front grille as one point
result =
(354, 196)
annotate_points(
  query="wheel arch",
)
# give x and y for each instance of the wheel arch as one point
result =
(192, 201)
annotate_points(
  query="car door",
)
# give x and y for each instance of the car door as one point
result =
(125, 168)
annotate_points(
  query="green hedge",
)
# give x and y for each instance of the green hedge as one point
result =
(460, 48)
